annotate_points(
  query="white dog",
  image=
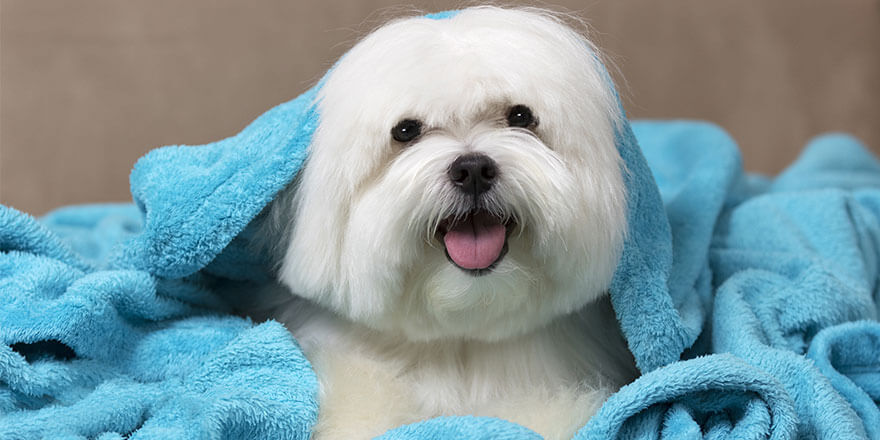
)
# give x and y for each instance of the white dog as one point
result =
(453, 233)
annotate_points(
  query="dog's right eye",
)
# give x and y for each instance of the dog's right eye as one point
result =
(520, 116)
(406, 130)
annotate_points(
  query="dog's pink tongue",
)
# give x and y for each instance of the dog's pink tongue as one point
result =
(476, 242)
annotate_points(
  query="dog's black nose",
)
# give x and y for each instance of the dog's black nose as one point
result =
(473, 173)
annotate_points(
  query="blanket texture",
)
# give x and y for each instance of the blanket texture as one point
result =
(749, 303)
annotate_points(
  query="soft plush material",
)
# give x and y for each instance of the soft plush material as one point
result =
(735, 294)
(796, 259)
(87, 352)
(717, 396)
(846, 354)
(776, 264)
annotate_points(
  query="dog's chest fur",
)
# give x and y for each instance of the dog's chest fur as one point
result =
(549, 380)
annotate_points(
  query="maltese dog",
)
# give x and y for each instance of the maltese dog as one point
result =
(450, 241)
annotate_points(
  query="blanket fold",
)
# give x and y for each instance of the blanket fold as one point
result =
(196, 200)
(848, 355)
(87, 352)
(718, 396)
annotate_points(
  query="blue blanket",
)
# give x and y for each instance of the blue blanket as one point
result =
(784, 271)
(749, 303)
(786, 267)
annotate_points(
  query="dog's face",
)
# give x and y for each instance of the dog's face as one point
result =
(463, 180)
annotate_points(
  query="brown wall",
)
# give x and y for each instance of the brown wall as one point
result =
(88, 86)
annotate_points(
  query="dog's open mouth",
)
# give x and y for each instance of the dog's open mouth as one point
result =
(476, 242)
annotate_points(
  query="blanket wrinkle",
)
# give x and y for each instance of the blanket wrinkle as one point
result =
(719, 395)
(848, 355)
(693, 184)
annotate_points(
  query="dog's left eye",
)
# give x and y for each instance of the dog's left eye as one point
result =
(406, 130)
(520, 116)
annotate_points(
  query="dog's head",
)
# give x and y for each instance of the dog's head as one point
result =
(463, 180)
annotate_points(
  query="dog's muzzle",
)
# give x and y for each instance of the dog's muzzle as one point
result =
(476, 241)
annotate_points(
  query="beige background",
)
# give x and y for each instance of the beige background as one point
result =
(88, 86)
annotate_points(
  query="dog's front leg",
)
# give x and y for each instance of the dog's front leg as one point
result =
(360, 398)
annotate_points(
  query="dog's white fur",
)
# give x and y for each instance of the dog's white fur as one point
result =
(396, 332)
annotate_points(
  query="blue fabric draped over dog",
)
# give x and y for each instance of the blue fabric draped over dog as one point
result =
(748, 303)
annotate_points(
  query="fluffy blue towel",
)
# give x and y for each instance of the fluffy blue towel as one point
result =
(778, 261)
(110, 325)
(86, 352)
(795, 259)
